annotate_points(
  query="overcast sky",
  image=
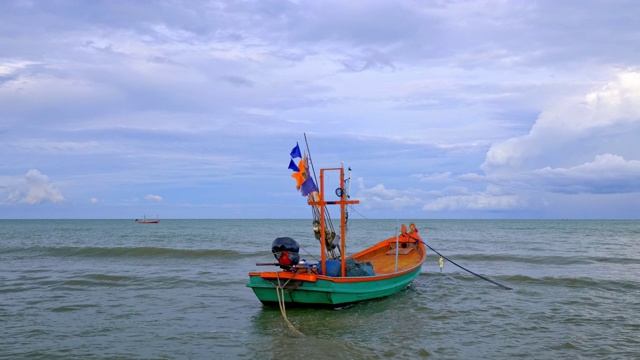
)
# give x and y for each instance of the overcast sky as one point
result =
(443, 109)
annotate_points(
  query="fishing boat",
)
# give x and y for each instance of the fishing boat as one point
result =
(144, 220)
(336, 280)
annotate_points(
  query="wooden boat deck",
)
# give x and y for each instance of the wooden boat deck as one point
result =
(383, 258)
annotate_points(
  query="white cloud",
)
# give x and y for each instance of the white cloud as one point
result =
(576, 130)
(476, 202)
(577, 147)
(32, 189)
(379, 197)
(606, 174)
(10, 68)
(435, 178)
(153, 198)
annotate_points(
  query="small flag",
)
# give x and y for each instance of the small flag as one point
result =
(295, 152)
(308, 186)
(299, 179)
(293, 166)
(300, 175)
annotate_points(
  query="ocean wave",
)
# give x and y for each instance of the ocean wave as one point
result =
(94, 281)
(544, 260)
(132, 252)
(522, 281)
(574, 282)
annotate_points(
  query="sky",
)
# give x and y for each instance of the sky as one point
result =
(442, 109)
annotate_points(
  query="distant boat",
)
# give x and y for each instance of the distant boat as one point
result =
(144, 220)
(336, 279)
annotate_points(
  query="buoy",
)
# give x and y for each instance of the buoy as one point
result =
(441, 263)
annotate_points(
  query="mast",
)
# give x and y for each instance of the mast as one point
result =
(323, 226)
(322, 203)
(343, 223)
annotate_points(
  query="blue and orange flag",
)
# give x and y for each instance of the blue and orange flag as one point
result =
(295, 152)
(308, 186)
(301, 175)
(304, 182)
(293, 166)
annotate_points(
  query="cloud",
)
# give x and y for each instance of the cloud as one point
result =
(380, 197)
(603, 121)
(435, 178)
(445, 106)
(579, 146)
(607, 174)
(237, 80)
(476, 202)
(32, 189)
(153, 198)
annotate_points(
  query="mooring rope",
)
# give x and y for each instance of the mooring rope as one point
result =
(281, 303)
(460, 266)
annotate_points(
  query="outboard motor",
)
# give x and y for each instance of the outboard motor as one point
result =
(285, 249)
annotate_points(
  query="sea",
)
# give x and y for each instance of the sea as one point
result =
(115, 289)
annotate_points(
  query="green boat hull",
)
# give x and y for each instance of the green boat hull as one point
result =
(325, 292)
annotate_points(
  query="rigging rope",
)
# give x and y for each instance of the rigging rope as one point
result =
(356, 211)
(310, 254)
(315, 210)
